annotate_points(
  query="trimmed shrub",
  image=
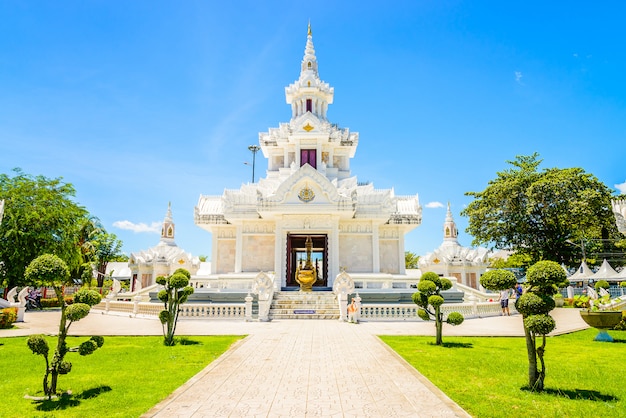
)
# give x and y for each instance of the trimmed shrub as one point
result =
(54, 302)
(7, 317)
(601, 284)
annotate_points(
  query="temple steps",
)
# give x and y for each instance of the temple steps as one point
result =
(304, 305)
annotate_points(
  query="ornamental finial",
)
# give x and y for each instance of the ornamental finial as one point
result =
(309, 33)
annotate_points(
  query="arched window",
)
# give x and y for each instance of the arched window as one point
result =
(309, 65)
(309, 105)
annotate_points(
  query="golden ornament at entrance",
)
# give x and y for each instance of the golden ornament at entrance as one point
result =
(307, 275)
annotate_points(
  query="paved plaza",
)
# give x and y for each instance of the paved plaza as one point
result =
(301, 368)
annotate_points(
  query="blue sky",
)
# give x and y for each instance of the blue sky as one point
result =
(145, 102)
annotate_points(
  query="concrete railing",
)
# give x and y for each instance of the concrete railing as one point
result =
(187, 310)
(390, 312)
(368, 311)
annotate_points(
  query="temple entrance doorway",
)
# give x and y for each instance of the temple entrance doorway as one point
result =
(296, 257)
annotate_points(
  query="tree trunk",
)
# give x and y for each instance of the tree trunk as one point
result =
(61, 348)
(102, 268)
(438, 325)
(533, 373)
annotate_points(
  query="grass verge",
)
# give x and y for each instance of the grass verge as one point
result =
(488, 376)
(125, 378)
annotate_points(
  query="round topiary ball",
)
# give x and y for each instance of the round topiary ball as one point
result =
(38, 344)
(87, 296)
(423, 314)
(532, 304)
(87, 347)
(77, 311)
(540, 324)
(435, 301)
(455, 318)
(498, 279)
(164, 316)
(426, 286)
(431, 276)
(178, 280)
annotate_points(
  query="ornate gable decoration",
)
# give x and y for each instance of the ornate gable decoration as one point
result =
(306, 194)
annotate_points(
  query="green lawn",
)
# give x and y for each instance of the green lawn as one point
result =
(488, 376)
(124, 378)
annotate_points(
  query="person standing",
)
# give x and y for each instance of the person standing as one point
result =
(504, 301)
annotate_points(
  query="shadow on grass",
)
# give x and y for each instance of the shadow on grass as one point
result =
(185, 341)
(70, 400)
(455, 345)
(578, 394)
(619, 341)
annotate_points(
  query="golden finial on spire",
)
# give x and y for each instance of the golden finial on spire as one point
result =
(309, 33)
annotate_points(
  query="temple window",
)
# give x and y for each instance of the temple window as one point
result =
(309, 105)
(309, 65)
(308, 156)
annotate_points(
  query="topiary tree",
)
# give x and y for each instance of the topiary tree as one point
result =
(49, 270)
(176, 291)
(543, 280)
(602, 284)
(498, 279)
(429, 299)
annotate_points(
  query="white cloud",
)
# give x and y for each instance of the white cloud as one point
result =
(518, 77)
(621, 187)
(153, 228)
(432, 205)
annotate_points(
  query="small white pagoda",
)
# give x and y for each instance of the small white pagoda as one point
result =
(451, 259)
(308, 200)
(161, 260)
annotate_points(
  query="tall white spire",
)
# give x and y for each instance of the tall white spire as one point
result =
(450, 233)
(309, 61)
(168, 229)
(309, 93)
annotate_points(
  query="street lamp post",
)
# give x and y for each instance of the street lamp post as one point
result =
(254, 149)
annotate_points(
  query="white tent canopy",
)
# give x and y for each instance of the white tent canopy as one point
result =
(608, 273)
(583, 273)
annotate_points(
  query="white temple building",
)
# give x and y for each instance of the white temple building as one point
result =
(161, 260)
(619, 210)
(309, 193)
(451, 259)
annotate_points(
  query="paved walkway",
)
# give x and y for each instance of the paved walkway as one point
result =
(301, 368)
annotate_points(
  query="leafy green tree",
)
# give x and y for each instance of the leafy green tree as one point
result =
(106, 248)
(498, 279)
(541, 213)
(543, 280)
(429, 299)
(40, 216)
(176, 291)
(411, 260)
(515, 260)
(49, 270)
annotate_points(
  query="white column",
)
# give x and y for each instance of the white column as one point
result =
(375, 249)
(238, 248)
(214, 246)
(402, 269)
(279, 254)
(333, 252)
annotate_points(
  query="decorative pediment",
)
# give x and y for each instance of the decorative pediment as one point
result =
(310, 124)
(304, 191)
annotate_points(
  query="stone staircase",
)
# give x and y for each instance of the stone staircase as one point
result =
(304, 305)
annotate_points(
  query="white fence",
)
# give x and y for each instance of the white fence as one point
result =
(187, 310)
(369, 311)
(394, 312)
